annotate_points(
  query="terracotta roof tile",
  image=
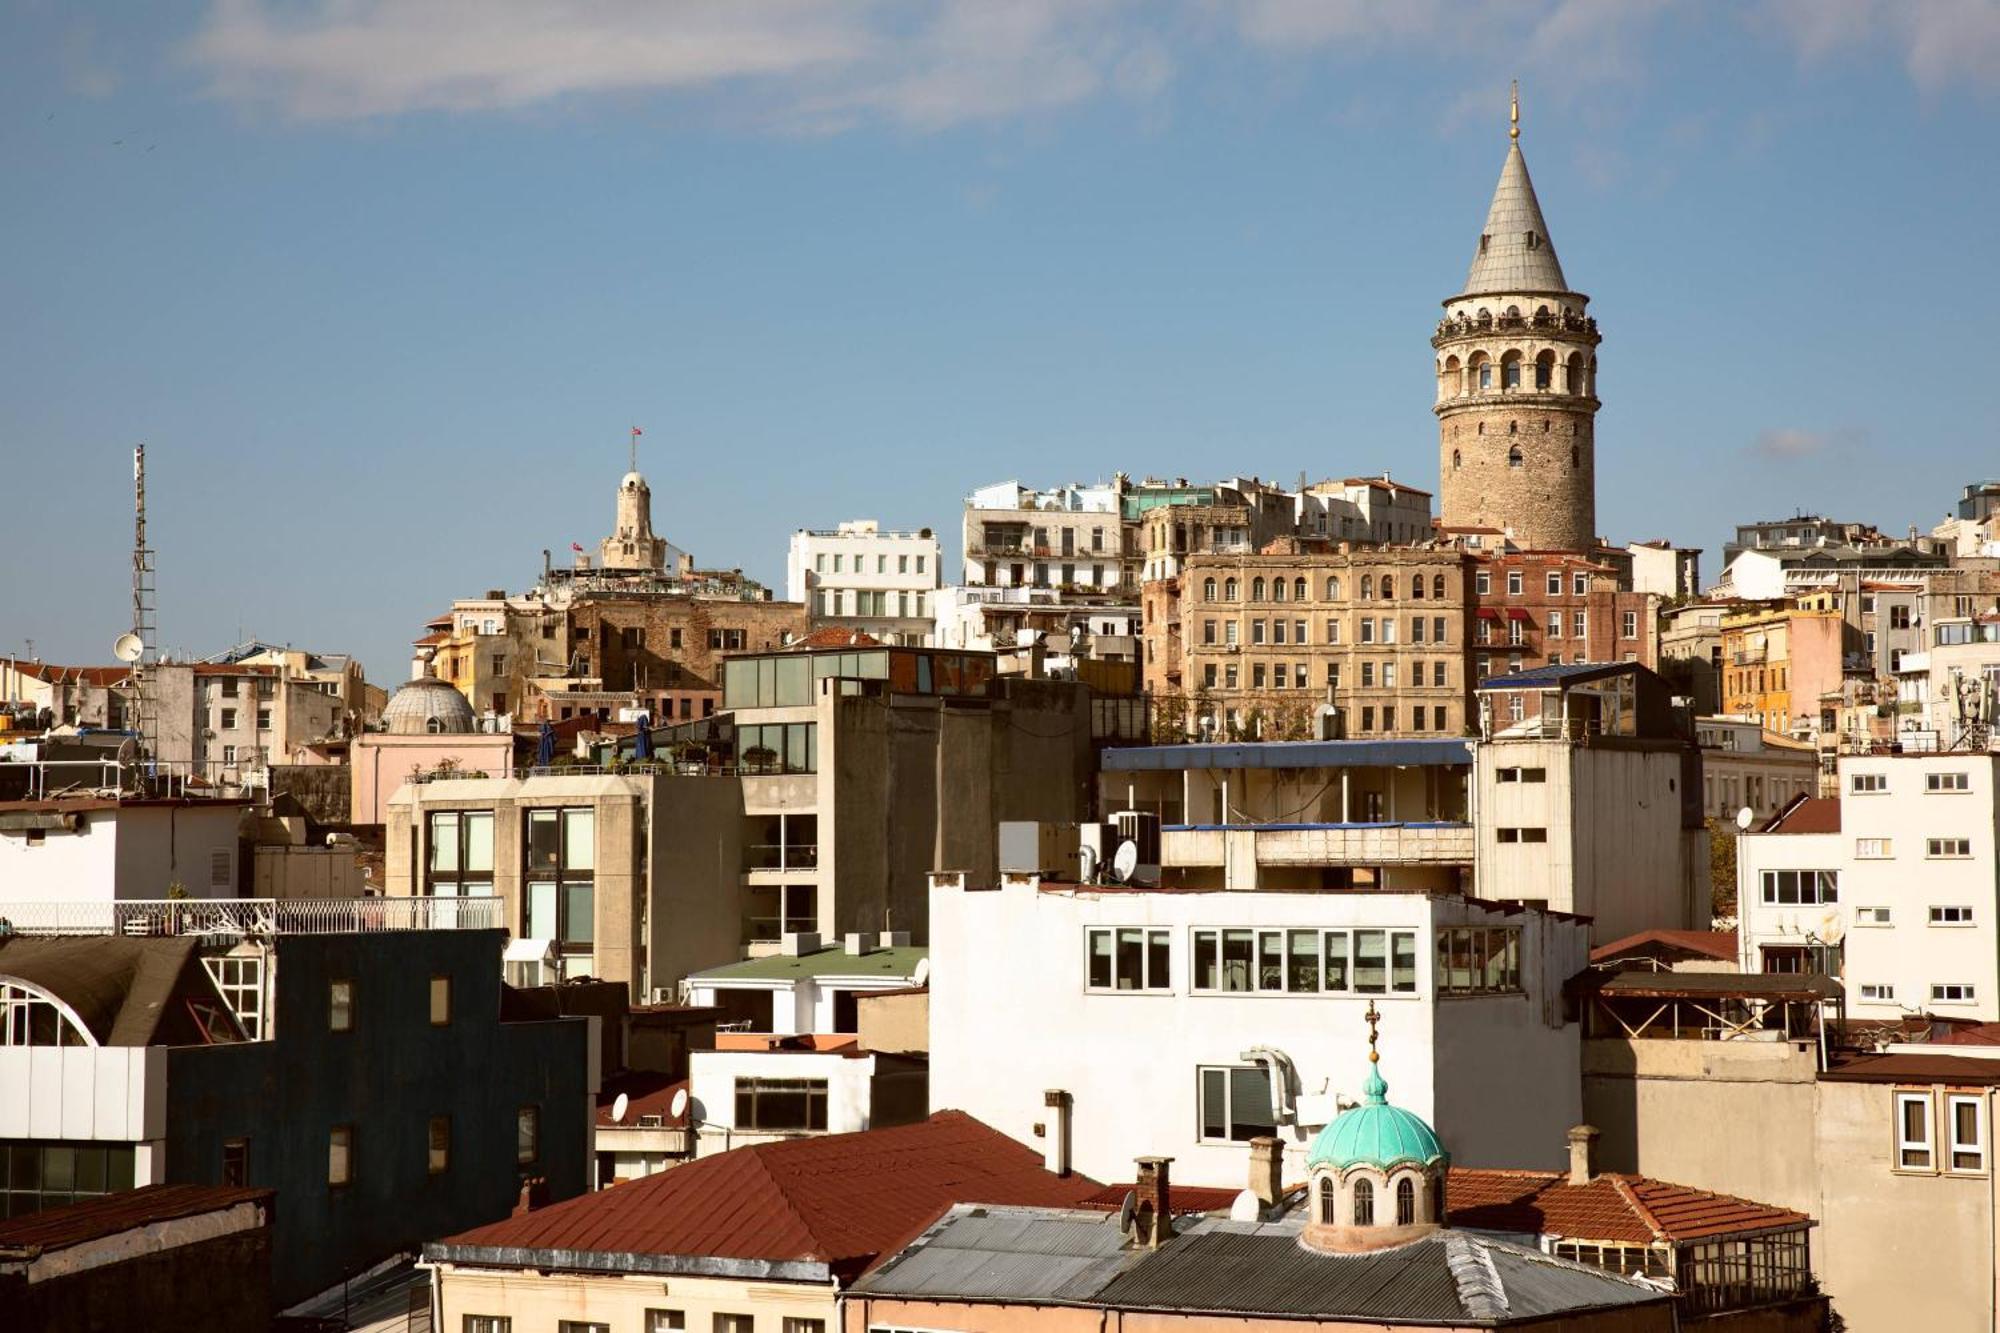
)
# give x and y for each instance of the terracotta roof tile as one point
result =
(841, 1199)
(1969, 1070)
(834, 636)
(1633, 1210)
(93, 1219)
(1807, 814)
(1719, 944)
(1184, 1198)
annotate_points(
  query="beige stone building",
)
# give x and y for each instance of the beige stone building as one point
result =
(1516, 364)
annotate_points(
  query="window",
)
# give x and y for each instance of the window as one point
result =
(1867, 784)
(488, 1323)
(1787, 888)
(585, 1325)
(1304, 961)
(340, 1155)
(527, 1134)
(1952, 992)
(733, 1323)
(725, 640)
(1555, 583)
(1521, 774)
(1406, 1202)
(560, 902)
(1582, 625)
(228, 719)
(340, 1006)
(1873, 849)
(461, 854)
(1523, 834)
(1235, 1103)
(1873, 916)
(1513, 583)
(1388, 629)
(665, 1321)
(1364, 1203)
(440, 1001)
(1555, 630)
(1913, 1131)
(440, 1144)
(236, 1162)
(1965, 1121)
(1948, 848)
(1127, 958)
(1631, 625)
(1947, 782)
(1951, 916)
(1478, 960)
(781, 1103)
(1367, 629)
(1880, 992)
(1327, 1215)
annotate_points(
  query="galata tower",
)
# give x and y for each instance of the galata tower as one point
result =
(1517, 382)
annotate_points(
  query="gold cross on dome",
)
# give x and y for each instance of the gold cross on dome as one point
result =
(1374, 1017)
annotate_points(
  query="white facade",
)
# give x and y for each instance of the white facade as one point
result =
(1744, 765)
(804, 1005)
(1071, 538)
(124, 851)
(842, 1079)
(1012, 988)
(1363, 509)
(1903, 897)
(862, 577)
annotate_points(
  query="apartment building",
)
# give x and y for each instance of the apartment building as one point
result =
(1892, 887)
(1780, 661)
(1691, 652)
(1218, 1017)
(1071, 538)
(1743, 765)
(1553, 608)
(860, 577)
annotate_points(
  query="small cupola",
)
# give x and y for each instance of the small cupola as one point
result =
(1376, 1174)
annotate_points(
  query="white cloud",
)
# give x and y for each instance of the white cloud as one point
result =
(1791, 443)
(1941, 43)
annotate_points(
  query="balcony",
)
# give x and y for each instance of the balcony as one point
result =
(239, 918)
(1302, 845)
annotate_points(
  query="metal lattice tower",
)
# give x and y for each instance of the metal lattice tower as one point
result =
(144, 721)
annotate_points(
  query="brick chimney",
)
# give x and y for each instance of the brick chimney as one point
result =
(1582, 1152)
(534, 1194)
(1055, 1147)
(1154, 1215)
(1267, 1169)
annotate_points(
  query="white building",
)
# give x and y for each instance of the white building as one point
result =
(787, 1088)
(1214, 1017)
(1744, 765)
(807, 987)
(860, 577)
(1070, 538)
(1893, 887)
(88, 850)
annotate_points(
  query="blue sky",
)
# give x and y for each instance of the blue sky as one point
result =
(384, 285)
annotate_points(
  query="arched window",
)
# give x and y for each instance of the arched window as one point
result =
(1229, 591)
(434, 725)
(1513, 428)
(1257, 589)
(1406, 1202)
(30, 1016)
(1388, 588)
(1437, 586)
(1574, 367)
(1277, 590)
(1208, 590)
(1333, 588)
(1367, 587)
(1514, 456)
(1452, 382)
(1300, 591)
(1510, 370)
(1364, 1203)
(1456, 459)
(1326, 1208)
(1545, 370)
(1482, 428)
(1417, 587)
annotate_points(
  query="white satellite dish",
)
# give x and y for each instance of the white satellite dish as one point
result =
(128, 647)
(1246, 1207)
(619, 1105)
(679, 1105)
(1745, 818)
(1125, 861)
(922, 975)
(1125, 1211)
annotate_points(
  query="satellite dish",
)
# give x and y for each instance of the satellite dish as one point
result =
(128, 647)
(619, 1105)
(1246, 1207)
(922, 976)
(1125, 860)
(679, 1105)
(1125, 1211)
(1745, 818)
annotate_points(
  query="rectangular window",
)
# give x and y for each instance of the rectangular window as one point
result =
(460, 854)
(1952, 992)
(1873, 849)
(795, 1325)
(560, 899)
(1333, 631)
(1388, 629)
(527, 1134)
(1582, 625)
(1965, 1119)
(440, 1144)
(666, 1321)
(1881, 992)
(440, 1001)
(1513, 583)
(340, 1006)
(228, 719)
(1631, 626)
(1127, 958)
(1482, 583)
(1523, 834)
(1367, 629)
(340, 1155)
(1867, 784)
(1952, 849)
(236, 1162)
(1555, 630)
(781, 1103)
(1873, 916)
(1416, 629)
(586, 1325)
(1951, 916)
(488, 1323)
(1478, 960)
(1555, 584)
(1235, 1104)
(1913, 1132)
(1581, 584)
(1807, 888)
(1947, 782)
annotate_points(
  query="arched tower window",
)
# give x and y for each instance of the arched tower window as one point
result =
(1510, 370)
(1573, 375)
(1575, 457)
(1545, 370)
(1482, 428)
(1480, 367)
(1514, 456)
(1456, 460)
(1364, 1203)
(1406, 1202)
(1208, 590)
(1452, 383)
(1327, 1212)
(1257, 589)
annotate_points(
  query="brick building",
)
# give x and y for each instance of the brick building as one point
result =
(1556, 608)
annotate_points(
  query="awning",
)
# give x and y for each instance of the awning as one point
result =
(1516, 613)
(1488, 613)
(527, 951)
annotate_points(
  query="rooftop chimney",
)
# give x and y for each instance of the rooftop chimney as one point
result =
(534, 1194)
(1267, 1169)
(1055, 1148)
(1582, 1149)
(797, 944)
(856, 942)
(1153, 1217)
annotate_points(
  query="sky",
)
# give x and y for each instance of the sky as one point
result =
(384, 285)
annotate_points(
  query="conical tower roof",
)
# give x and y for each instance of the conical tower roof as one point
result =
(1515, 252)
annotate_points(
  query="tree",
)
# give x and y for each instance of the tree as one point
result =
(1721, 869)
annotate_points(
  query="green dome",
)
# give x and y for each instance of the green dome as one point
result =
(1376, 1134)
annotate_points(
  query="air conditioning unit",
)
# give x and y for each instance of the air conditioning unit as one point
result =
(1141, 828)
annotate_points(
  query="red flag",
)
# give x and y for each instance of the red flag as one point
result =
(574, 547)
(637, 431)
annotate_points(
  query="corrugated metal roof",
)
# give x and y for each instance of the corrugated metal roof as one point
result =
(981, 1253)
(1288, 754)
(1699, 985)
(1549, 677)
(93, 1219)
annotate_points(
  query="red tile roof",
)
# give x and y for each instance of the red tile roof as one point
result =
(93, 1219)
(1630, 1209)
(833, 636)
(1972, 1034)
(1967, 1070)
(844, 1200)
(1184, 1198)
(1807, 814)
(1719, 944)
(90, 675)
(645, 1094)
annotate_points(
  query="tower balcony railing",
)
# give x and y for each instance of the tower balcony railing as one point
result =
(238, 918)
(1463, 326)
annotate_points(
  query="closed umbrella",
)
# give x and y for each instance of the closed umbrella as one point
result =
(642, 739)
(545, 748)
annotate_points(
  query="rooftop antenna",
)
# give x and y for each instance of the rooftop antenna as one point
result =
(634, 459)
(1514, 111)
(143, 627)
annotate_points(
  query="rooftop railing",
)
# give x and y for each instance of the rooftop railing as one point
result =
(250, 917)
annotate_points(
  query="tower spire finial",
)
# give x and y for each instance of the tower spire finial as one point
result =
(1514, 111)
(1373, 1017)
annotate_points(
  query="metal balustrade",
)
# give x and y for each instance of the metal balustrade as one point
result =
(250, 917)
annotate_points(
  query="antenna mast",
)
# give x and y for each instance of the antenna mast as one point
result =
(142, 607)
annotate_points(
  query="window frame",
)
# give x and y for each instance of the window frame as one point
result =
(1150, 937)
(440, 979)
(527, 1133)
(1277, 942)
(340, 1137)
(340, 1004)
(1952, 1145)
(1229, 1075)
(437, 1145)
(1904, 1147)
